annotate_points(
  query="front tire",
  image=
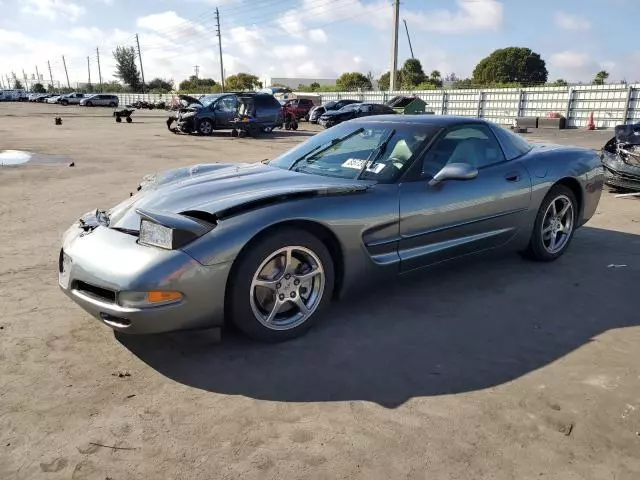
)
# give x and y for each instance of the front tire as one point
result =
(89, 104)
(205, 127)
(554, 226)
(280, 286)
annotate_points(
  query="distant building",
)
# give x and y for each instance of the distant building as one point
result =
(294, 82)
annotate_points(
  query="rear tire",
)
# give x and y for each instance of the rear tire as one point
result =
(554, 227)
(280, 285)
(89, 103)
(118, 119)
(129, 120)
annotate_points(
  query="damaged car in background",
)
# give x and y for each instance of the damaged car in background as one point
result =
(267, 245)
(207, 113)
(621, 158)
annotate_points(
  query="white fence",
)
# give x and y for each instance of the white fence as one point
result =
(611, 104)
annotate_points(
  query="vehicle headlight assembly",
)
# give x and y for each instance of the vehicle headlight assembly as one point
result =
(170, 230)
(156, 235)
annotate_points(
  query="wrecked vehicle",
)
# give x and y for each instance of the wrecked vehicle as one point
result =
(257, 112)
(267, 245)
(205, 114)
(621, 158)
(220, 111)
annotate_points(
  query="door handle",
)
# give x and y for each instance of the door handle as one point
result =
(512, 177)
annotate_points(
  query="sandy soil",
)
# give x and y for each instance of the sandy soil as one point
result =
(492, 369)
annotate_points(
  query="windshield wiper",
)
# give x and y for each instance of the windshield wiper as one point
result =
(326, 146)
(376, 154)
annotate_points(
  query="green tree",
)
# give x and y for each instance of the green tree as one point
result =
(600, 78)
(113, 87)
(126, 68)
(315, 86)
(561, 82)
(17, 84)
(412, 73)
(353, 81)
(242, 81)
(435, 78)
(38, 88)
(160, 85)
(511, 65)
(385, 80)
(199, 85)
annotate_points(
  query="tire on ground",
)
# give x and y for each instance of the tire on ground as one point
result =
(238, 307)
(536, 250)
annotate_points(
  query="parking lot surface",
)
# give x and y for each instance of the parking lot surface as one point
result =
(493, 368)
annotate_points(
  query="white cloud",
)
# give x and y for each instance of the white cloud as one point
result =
(170, 23)
(53, 9)
(318, 35)
(469, 16)
(567, 21)
(570, 60)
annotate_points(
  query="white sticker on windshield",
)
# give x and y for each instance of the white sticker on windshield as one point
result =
(354, 163)
(358, 164)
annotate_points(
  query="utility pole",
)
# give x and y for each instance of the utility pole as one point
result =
(99, 71)
(50, 74)
(394, 50)
(37, 74)
(24, 75)
(197, 69)
(89, 70)
(408, 37)
(220, 48)
(66, 73)
(140, 57)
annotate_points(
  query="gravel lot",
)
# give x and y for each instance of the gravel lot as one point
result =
(492, 369)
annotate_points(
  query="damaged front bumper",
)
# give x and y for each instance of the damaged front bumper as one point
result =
(620, 174)
(97, 265)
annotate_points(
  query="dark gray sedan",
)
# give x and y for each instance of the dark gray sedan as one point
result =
(268, 245)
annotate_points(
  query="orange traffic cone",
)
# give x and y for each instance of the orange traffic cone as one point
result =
(591, 124)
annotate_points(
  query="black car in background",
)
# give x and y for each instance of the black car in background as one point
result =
(353, 110)
(316, 112)
(207, 113)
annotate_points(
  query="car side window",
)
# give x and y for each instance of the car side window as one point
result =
(227, 104)
(366, 109)
(472, 144)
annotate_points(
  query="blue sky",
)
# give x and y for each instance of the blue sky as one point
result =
(315, 38)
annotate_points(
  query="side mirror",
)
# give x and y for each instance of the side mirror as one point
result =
(454, 171)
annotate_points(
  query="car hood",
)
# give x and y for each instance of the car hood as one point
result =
(337, 113)
(222, 190)
(191, 101)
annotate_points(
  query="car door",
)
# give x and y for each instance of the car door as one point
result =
(225, 111)
(459, 217)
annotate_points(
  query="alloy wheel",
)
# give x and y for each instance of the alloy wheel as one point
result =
(287, 288)
(557, 224)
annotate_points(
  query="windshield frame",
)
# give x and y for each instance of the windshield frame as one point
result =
(208, 100)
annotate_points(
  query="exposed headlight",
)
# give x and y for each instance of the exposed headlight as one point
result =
(170, 230)
(148, 299)
(157, 235)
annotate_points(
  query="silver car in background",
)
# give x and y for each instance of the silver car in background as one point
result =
(100, 100)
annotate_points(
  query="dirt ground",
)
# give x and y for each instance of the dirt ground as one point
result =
(492, 369)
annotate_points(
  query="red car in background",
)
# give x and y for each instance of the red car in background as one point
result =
(299, 107)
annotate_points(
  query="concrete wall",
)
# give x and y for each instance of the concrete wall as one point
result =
(611, 104)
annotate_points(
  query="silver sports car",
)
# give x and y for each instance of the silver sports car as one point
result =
(267, 245)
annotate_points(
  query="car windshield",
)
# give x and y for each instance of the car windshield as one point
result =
(370, 151)
(351, 106)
